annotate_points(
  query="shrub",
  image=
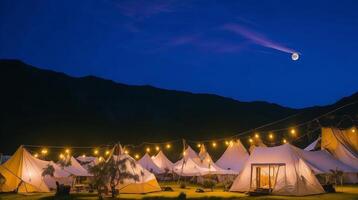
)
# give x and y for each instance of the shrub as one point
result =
(209, 184)
(182, 185)
(182, 196)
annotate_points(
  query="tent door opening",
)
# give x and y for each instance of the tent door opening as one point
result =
(264, 176)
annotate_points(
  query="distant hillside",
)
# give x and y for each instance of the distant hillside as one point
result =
(45, 107)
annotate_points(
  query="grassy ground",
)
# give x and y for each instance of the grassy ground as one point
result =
(345, 192)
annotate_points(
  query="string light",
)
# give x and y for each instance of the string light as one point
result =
(95, 152)
(293, 131)
(107, 152)
(126, 151)
(257, 136)
(284, 141)
(198, 145)
(353, 130)
(214, 144)
(136, 156)
(250, 140)
(44, 151)
(231, 143)
(184, 153)
(67, 151)
(100, 159)
(157, 148)
(271, 136)
(62, 156)
(83, 155)
(36, 155)
(148, 149)
(227, 143)
(168, 146)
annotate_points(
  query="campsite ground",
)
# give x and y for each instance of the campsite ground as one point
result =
(345, 192)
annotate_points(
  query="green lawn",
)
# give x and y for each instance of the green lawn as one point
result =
(345, 192)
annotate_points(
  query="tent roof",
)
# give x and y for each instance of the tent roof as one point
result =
(75, 168)
(147, 162)
(313, 145)
(162, 161)
(234, 157)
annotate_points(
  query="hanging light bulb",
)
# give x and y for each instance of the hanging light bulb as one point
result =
(231, 142)
(100, 159)
(214, 144)
(168, 146)
(250, 140)
(157, 148)
(36, 155)
(83, 155)
(107, 152)
(148, 149)
(67, 151)
(257, 136)
(293, 132)
(136, 156)
(227, 143)
(284, 141)
(95, 152)
(271, 136)
(353, 130)
(126, 151)
(198, 145)
(44, 151)
(61, 156)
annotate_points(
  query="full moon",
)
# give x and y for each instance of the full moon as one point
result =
(295, 56)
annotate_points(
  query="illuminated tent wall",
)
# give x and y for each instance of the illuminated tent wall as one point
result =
(342, 144)
(147, 181)
(23, 173)
(163, 162)
(314, 145)
(75, 168)
(87, 161)
(206, 161)
(322, 162)
(257, 143)
(147, 162)
(280, 169)
(234, 157)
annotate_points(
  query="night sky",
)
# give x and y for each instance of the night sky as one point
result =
(238, 49)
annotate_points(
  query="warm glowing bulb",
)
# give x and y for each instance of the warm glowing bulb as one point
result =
(107, 153)
(67, 151)
(184, 153)
(36, 155)
(353, 130)
(284, 141)
(227, 143)
(231, 143)
(271, 136)
(214, 144)
(198, 145)
(100, 159)
(293, 131)
(250, 140)
(44, 151)
(62, 156)
(157, 148)
(136, 156)
(148, 149)
(83, 155)
(96, 152)
(168, 146)
(126, 151)
(257, 136)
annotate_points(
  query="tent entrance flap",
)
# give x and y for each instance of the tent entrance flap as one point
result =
(264, 175)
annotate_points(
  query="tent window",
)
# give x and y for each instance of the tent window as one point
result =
(264, 176)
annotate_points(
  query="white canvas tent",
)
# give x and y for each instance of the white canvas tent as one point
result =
(342, 144)
(234, 157)
(75, 168)
(87, 161)
(147, 181)
(314, 145)
(163, 162)
(279, 169)
(147, 162)
(23, 173)
(322, 162)
(256, 143)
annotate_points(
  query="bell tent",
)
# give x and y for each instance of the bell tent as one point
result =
(163, 162)
(279, 170)
(147, 162)
(234, 157)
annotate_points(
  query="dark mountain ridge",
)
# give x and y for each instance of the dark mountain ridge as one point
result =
(45, 107)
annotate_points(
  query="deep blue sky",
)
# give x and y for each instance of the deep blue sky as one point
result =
(222, 47)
